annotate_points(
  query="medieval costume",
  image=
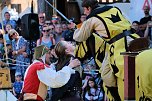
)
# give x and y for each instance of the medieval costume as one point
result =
(109, 23)
(72, 90)
(39, 75)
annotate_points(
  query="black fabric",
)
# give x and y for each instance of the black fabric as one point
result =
(114, 93)
(30, 26)
(99, 10)
(67, 91)
(68, 35)
(121, 35)
(144, 20)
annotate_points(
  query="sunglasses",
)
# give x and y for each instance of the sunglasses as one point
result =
(45, 30)
(51, 28)
(48, 23)
(41, 17)
(12, 35)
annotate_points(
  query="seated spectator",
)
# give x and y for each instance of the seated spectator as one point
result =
(148, 32)
(20, 49)
(135, 26)
(17, 85)
(93, 93)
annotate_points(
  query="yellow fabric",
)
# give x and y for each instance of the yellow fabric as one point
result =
(114, 28)
(99, 48)
(144, 75)
(114, 49)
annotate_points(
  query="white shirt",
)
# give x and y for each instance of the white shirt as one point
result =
(54, 79)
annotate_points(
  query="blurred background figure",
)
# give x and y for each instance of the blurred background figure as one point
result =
(93, 92)
(17, 85)
(135, 26)
(82, 19)
(145, 19)
(8, 21)
(46, 39)
(41, 20)
(6, 36)
(148, 32)
(20, 51)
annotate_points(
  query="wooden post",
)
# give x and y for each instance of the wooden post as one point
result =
(129, 75)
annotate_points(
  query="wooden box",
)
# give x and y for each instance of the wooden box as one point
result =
(5, 79)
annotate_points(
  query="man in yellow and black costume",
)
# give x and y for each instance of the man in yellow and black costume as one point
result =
(111, 25)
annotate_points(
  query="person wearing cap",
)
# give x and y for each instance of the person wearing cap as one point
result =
(20, 51)
(41, 74)
(17, 85)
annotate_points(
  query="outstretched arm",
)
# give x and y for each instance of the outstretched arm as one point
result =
(55, 79)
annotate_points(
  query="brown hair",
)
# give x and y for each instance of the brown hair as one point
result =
(63, 58)
(90, 3)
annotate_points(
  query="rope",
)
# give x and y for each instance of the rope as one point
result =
(15, 60)
(17, 64)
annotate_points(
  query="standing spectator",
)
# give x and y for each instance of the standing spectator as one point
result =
(67, 35)
(20, 51)
(64, 26)
(58, 33)
(55, 19)
(17, 85)
(8, 21)
(93, 92)
(46, 39)
(144, 20)
(135, 26)
(41, 20)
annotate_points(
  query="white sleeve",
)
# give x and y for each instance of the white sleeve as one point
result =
(100, 95)
(87, 96)
(55, 79)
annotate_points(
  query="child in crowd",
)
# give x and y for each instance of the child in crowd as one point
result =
(17, 85)
(93, 93)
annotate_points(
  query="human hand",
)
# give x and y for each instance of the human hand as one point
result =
(72, 25)
(25, 54)
(14, 53)
(91, 98)
(149, 23)
(74, 63)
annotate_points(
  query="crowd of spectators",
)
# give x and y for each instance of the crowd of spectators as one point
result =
(51, 32)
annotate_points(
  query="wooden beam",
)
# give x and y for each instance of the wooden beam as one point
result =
(129, 75)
